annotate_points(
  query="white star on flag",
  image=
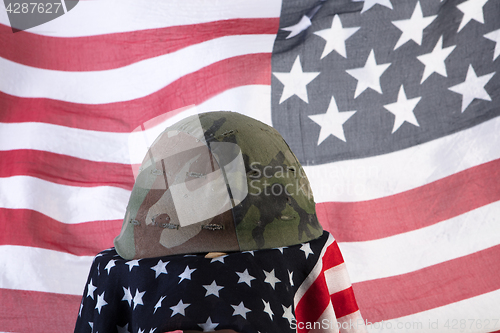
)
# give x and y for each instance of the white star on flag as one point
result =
(245, 277)
(332, 122)
(306, 248)
(91, 288)
(100, 302)
(110, 265)
(219, 258)
(138, 298)
(186, 275)
(403, 110)
(434, 61)
(472, 87)
(473, 10)
(179, 308)
(495, 37)
(208, 326)
(267, 309)
(212, 289)
(241, 310)
(158, 304)
(304, 23)
(271, 278)
(290, 277)
(335, 37)
(127, 296)
(295, 82)
(370, 3)
(132, 263)
(413, 28)
(369, 75)
(160, 267)
(287, 314)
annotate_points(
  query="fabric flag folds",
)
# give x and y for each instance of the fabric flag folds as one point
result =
(392, 107)
(288, 289)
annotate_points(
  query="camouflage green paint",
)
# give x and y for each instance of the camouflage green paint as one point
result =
(279, 209)
(280, 219)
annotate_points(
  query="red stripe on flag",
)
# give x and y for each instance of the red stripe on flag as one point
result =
(193, 88)
(312, 304)
(316, 299)
(344, 302)
(103, 52)
(30, 228)
(414, 209)
(31, 311)
(332, 257)
(430, 287)
(65, 170)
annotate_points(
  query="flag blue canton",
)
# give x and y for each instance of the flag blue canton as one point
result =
(357, 79)
(244, 291)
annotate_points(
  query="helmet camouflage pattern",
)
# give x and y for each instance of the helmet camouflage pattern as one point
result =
(217, 181)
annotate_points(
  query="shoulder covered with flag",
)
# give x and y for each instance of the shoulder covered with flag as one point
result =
(287, 289)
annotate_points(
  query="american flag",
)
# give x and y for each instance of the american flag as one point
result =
(288, 289)
(391, 106)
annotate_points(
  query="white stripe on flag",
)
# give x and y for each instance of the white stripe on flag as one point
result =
(407, 252)
(114, 147)
(85, 144)
(66, 204)
(37, 269)
(253, 101)
(476, 314)
(337, 279)
(116, 16)
(129, 82)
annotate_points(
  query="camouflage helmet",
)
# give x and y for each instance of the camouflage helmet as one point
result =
(217, 181)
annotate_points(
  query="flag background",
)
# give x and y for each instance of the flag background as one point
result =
(414, 209)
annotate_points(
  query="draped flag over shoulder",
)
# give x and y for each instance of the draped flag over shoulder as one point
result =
(391, 106)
